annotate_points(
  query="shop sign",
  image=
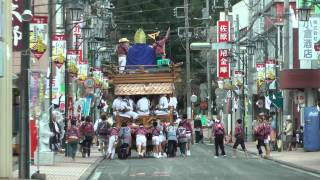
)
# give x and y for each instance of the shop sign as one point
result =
(309, 34)
(223, 65)
(16, 24)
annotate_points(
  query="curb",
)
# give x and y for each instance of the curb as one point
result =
(91, 169)
(285, 163)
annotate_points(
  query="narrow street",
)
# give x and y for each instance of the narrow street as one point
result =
(201, 165)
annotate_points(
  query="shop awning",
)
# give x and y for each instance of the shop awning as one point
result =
(299, 78)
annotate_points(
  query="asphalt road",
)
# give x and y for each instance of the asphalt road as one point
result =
(200, 166)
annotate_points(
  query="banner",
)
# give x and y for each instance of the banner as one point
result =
(223, 31)
(270, 70)
(17, 10)
(223, 65)
(73, 57)
(39, 36)
(309, 34)
(36, 92)
(260, 74)
(59, 48)
(238, 78)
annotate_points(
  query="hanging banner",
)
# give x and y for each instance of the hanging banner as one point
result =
(223, 70)
(270, 70)
(17, 10)
(73, 57)
(39, 36)
(260, 72)
(223, 65)
(59, 48)
(36, 92)
(238, 78)
(223, 31)
(309, 34)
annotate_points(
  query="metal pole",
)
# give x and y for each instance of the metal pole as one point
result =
(208, 65)
(186, 4)
(50, 55)
(250, 71)
(24, 159)
(287, 109)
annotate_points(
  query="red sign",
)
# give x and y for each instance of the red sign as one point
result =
(17, 10)
(223, 31)
(223, 64)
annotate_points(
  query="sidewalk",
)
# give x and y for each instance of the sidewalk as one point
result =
(67, 169)
(308, 161)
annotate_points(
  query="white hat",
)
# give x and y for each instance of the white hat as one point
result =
(123, 40)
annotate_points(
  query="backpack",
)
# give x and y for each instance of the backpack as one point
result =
(88, 129)
(182, 133)
(72, 135)
(171, 131)
(155, 132)
(218, 129)
(103, 128)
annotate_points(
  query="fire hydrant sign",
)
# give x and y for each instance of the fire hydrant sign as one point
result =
(223, 36)
(39, 36)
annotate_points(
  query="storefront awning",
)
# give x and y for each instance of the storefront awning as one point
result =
(299, 78)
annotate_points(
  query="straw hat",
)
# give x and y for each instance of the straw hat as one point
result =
(123, 40)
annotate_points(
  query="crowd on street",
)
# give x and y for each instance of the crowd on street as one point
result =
(163, 139)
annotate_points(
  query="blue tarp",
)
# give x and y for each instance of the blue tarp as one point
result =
(141, 54)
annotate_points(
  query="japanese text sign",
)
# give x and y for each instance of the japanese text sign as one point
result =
(17, 10)
(223, 31)
(309, 33)
(223, 64)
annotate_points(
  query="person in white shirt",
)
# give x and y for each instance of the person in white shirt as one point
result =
(127, 106)
(162, 107)
(116, 105)
(173, 102)
(143, 106)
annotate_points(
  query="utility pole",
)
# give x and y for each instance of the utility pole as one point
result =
(287, 109)
(250, 69)
(50, 55)
(186, 21)
(24, 159)
(208, 63)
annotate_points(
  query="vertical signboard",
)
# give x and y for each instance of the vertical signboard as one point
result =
(260, 74)
(16, 24)
(59, 48)
(223, 65)
(39, 36)
(309, 34)
(36, 104)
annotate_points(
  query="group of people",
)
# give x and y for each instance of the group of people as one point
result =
(163, 138)
(126, 107)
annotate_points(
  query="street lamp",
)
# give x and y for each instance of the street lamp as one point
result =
(76, 11)
(304, 12)
(250, 48)
(86, 31)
